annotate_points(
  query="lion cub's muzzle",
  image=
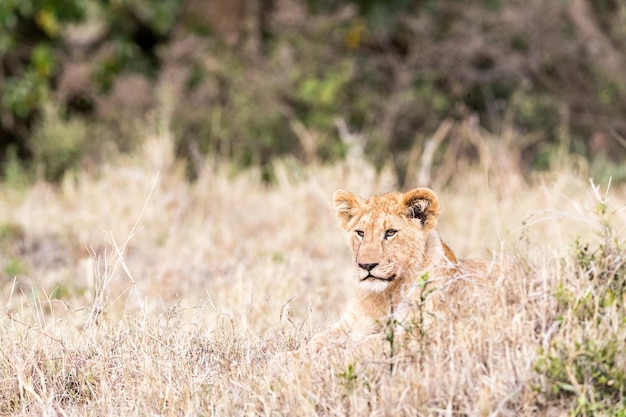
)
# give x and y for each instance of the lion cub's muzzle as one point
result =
(369, 267)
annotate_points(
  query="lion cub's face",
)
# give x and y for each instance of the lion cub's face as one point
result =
(388, 233)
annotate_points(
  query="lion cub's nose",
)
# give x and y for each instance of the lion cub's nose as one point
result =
(368, 267)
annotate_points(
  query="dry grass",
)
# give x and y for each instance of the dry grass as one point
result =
(134, 292)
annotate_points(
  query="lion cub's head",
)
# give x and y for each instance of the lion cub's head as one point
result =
(393, 234)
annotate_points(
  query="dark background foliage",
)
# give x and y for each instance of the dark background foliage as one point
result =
(259, 79)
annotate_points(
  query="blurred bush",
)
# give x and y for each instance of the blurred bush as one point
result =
(254, 80)
(57, 145)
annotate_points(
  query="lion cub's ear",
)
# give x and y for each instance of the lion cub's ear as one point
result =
(347, 205)
(422, 204)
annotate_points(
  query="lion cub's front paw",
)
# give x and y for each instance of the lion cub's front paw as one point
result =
(317, 343)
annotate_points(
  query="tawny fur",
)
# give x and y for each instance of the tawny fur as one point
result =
(396, 246)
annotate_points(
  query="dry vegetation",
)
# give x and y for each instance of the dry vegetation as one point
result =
(131, 291)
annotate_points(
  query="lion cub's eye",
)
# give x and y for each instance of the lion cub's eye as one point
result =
(360, 233)
(390, 233)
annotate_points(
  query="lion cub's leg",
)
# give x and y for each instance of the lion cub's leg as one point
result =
(351, 328)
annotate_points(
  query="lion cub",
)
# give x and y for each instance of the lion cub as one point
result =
(396, 250)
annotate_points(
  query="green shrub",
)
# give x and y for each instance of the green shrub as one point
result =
(584, 365)
(15, 267)
(57, 144)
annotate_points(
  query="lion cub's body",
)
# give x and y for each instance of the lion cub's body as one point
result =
(397, 253)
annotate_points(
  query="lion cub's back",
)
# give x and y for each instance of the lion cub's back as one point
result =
(478, 271)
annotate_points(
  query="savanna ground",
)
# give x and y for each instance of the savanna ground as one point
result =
(132, 291)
